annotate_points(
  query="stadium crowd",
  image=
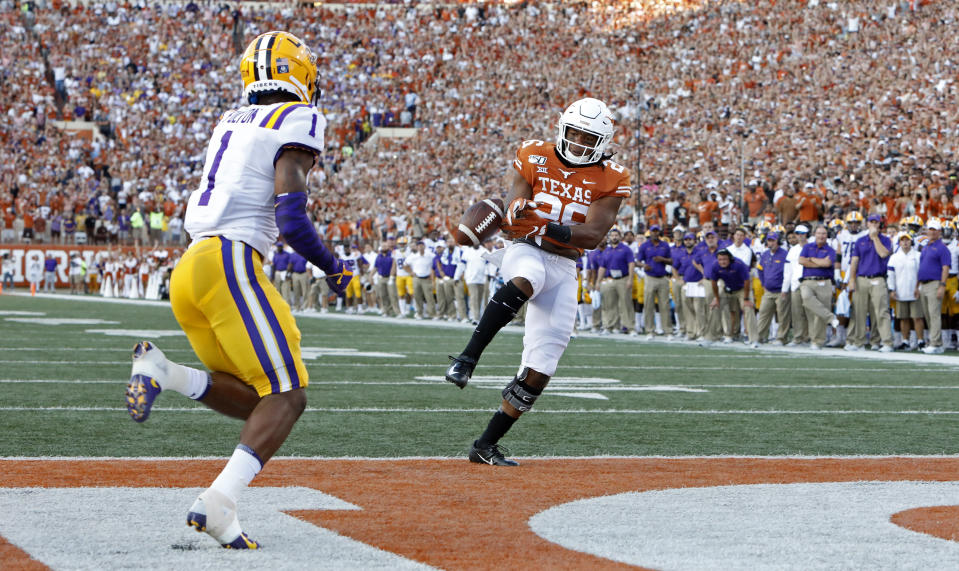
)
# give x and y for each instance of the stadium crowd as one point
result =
(782, 114)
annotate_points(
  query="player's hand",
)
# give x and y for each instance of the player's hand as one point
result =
(516, 210)
(748, 303)
(714, 303)
(529, 226)
(339, 278)
(851, 286)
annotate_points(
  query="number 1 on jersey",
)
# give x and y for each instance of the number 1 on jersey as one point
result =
(211, 178)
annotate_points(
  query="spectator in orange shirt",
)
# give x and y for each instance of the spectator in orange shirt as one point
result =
(950, 208)
(786, 207)
(755, 201)
(28, 226)
(892, 208)
(707, 207)
(809, 203)
(655, 212)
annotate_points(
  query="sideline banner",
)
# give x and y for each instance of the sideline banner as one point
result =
(29, 258)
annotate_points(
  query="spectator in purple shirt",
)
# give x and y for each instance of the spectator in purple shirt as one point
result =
(300, 281)
(771, 267)
(694, 306)
(934, 263)
(593, 260)
(615, 276)
(677, 253)
(817, 259)
(704, 258)
(384, 282)
(735, 293)
(870, 257)
(654, 255)
(50, 273)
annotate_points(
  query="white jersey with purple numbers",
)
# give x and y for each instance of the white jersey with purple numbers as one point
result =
(846, 242)
(235, 195)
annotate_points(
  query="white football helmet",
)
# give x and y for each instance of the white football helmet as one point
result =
(592, 117)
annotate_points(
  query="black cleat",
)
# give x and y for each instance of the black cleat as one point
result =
(460, 370)
(491, 454)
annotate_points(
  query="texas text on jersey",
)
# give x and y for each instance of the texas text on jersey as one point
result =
(563, 193)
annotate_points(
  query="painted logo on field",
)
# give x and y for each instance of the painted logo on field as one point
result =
(597, 513)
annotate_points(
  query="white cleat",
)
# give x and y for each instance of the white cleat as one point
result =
(215, 514)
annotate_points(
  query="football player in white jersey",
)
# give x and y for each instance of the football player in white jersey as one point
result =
(252, 190)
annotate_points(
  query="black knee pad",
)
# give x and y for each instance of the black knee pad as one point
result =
(520, 395)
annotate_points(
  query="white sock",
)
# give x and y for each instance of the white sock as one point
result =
(243, 466)
(403, 308)
(658, 320)
(842, 333)
(897, 338)
(639, 320)
(187, 381)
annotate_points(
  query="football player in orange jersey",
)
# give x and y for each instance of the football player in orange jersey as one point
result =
(563, 199)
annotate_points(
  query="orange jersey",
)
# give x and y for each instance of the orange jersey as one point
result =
(564, 193)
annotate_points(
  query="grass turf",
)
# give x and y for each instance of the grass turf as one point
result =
(376, 406)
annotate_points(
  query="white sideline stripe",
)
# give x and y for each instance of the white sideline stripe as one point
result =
(570, 386)
(460, 458)
(951, 361)
(489, 410)
(938, 371)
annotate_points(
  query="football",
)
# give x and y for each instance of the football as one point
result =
(480, 221)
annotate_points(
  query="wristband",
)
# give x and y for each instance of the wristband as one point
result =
(295, 226)
(559, 232)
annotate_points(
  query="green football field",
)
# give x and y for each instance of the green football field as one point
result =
(376, 390)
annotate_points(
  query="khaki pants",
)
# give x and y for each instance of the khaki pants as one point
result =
(443, 300)
(694, 309)
(713, 322)
(656, 288)
(733, 310)
(679, 300)
(478, 296)
(320, 290)
(449, 299)
(817, 303)
(871, 296)
(301, 289)
(798, 317)
(386, 294)
(423, 296)
(932, 311)
(616, 296)
(773, 304)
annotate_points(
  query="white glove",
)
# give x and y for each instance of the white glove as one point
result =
(955, 297)
(594, 296)
(392, 281)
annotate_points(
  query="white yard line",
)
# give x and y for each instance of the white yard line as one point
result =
(766, 351)
(535, 411)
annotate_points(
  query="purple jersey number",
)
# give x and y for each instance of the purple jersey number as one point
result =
(211, 178)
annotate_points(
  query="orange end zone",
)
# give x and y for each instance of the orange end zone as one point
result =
(456, 515)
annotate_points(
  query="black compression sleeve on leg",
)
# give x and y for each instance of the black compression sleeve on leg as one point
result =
(498, 426)
(500, 311)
